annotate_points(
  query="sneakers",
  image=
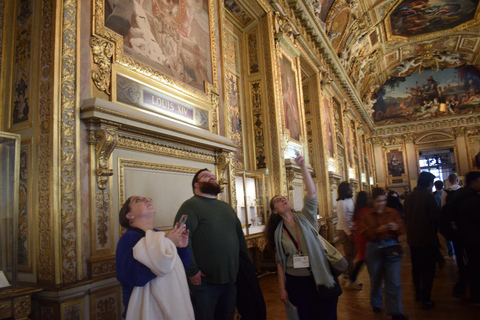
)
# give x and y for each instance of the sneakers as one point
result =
(354, 285)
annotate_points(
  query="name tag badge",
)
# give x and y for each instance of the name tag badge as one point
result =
(300, 261)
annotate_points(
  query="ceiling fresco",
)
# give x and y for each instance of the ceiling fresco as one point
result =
(432, 94)
(413, 18)
(387, 45)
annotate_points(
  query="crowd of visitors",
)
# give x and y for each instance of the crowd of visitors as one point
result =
(200, 269)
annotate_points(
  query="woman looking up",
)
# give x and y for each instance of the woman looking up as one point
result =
(150, 270)
(304, 275)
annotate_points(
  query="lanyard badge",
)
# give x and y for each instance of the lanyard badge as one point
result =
(299, 260)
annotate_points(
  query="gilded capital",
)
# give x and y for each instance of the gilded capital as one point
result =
(377, 141)
(459, 131)
(408, 137)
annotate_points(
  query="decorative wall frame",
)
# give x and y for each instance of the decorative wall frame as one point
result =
(396, 165)
(291, 93)
(145, 169)
(473, 148)
(20, 112)
(25, 239)
(172, 48)
(329, 129)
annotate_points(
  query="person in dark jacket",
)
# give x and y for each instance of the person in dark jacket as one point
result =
(422, 216)
(468, 223)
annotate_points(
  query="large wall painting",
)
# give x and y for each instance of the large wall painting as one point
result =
(474, 150)
(172, 36)
(290, 99)
(413, 18)
(448, 92)
(396, 171)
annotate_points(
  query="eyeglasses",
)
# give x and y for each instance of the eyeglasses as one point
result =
(142, 199)
(207, 175)
(278, 199)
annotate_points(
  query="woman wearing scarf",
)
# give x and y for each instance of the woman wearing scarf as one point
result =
(304, 276)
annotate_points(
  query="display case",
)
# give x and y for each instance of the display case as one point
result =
(251, 202)
(9, 187)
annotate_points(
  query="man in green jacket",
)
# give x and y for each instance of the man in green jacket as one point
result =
(216, 238)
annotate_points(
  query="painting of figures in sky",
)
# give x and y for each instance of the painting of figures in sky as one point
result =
(448, 92)
(413, 17)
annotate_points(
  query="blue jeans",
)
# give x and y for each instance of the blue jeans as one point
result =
(387, 268)
(214, 301)
(449, 247)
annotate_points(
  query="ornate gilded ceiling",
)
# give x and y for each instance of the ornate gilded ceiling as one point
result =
(387, 47)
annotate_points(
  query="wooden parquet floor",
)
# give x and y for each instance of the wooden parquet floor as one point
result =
(355, 304)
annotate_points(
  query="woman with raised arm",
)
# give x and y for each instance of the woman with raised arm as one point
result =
(304, 275)
(149, 265)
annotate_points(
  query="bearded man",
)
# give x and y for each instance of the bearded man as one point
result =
(216, 239)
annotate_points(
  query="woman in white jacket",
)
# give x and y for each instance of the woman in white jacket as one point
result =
(149, 265)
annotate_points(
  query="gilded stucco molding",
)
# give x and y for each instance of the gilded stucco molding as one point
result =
(472, 132)
(459, 131)
(106, 140)
(2, 26)
(258, 124)
(408, 137)
(73, 312)
(68, 132)
(469, 120)
(45, 246)
(257, 241)
(215, 105)
(102, 52)
(278, 166)
(22, 307)
(102, 217)
(377, 141)
(148, 146)
(284, 27)
(106, 307)
(223, 162)
(290, 178)
(139, 120)
(103, 266)
(310, 146)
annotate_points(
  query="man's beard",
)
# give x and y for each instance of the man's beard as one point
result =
(212, 188)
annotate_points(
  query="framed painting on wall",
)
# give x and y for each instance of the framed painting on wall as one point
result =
(396, 166)
(172, 37)
(474, 152)
(290, 98)
(166, 45)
